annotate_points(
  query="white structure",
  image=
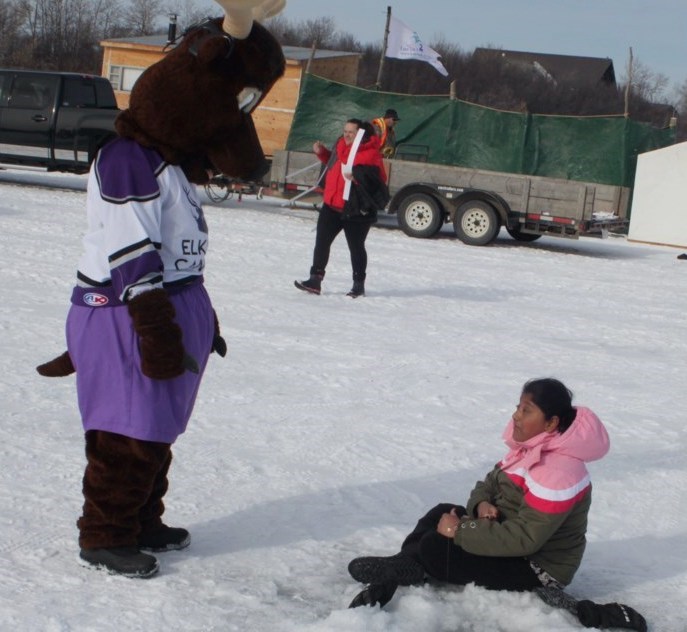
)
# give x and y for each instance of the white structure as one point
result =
(659, 203)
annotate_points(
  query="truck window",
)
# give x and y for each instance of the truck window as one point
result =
(106, 98)
(79, 93)
(32, 93)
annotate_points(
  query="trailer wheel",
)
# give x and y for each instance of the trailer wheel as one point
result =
(476, 223)
(217, 193)
(518, 235)
(420, 215)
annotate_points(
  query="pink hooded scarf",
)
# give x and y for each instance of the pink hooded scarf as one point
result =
(550, 467)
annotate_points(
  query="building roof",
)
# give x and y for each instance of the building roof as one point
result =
(293, 53)
(569, 69)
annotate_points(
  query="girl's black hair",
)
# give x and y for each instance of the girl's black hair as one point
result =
(554, 398)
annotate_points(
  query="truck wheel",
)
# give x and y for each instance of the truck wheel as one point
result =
(420, 215)
(476, 223)
(518, 235)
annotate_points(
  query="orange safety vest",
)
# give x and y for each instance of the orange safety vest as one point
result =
(381, 124)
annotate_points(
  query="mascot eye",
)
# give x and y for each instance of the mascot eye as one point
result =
(248, 98)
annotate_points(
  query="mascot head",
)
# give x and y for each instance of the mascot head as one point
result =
(194, 105)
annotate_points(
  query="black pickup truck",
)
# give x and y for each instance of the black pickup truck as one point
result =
(54, 120)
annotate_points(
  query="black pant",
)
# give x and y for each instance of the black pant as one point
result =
(329, 224)
(445, 561)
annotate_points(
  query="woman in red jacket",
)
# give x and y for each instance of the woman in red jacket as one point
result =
(354, 182)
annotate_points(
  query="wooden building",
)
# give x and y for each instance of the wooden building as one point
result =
(570, 70)
(124, 60)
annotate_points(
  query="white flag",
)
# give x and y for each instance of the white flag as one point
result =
(404, 43)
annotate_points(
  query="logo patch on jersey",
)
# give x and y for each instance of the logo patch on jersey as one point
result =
(95, 300)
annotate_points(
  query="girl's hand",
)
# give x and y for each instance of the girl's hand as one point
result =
(448, 524)
(317, 147)
(487, 510)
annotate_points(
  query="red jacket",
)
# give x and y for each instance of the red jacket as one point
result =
(368, 154)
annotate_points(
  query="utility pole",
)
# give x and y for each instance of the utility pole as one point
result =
(629, 85)
(378, 85)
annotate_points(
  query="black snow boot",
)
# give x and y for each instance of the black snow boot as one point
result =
(313, 284)
(399, 569)
(165, 539)
(121, 560)
(609, 615)
(375, 594)
(358, 288)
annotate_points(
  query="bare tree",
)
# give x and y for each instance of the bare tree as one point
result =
(10, 31)
(190, 12)
(646, 84)
(141, 16)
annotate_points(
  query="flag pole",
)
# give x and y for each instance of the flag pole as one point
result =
(378, 85)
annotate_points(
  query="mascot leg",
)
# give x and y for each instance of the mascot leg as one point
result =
(120, 476)
(155, 535)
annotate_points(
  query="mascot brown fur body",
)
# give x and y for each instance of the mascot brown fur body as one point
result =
(140, 301)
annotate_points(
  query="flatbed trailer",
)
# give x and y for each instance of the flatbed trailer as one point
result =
(477, 202)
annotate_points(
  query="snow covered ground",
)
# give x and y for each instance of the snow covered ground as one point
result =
(333, 423)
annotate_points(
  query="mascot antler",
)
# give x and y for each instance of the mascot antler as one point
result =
(239, 14)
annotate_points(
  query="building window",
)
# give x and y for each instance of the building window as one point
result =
(123, 78)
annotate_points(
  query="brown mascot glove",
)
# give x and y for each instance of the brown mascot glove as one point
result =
(162, 352)
(219, 344)
(61, 366)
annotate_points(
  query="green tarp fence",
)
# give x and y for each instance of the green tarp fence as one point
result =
(599, 149)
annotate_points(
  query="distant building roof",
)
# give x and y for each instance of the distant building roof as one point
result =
(569, 69)
(294, 53)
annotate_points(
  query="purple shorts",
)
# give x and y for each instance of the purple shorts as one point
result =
(113, 393)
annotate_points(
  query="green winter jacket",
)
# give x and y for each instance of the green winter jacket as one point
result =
(543, 493)
(555, 542)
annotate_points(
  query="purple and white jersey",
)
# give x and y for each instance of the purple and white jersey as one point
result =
(145, 227)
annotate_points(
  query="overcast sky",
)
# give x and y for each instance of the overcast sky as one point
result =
(655, 29)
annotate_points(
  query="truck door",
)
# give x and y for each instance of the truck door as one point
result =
(26, 122)
(77, 113)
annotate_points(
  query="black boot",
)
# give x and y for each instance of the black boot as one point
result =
(400, 569)
(358, 288)
(164, 539)
(121, 560)
(313, 284)
(609, 615)
(375, 594)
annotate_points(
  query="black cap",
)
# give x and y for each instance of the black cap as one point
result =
(392, 114)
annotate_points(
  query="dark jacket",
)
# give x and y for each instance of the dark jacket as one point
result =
(334, 184)
(369, 194)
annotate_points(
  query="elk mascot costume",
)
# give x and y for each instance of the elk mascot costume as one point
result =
(141, 326)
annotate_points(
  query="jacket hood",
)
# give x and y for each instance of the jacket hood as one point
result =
(586, 439)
